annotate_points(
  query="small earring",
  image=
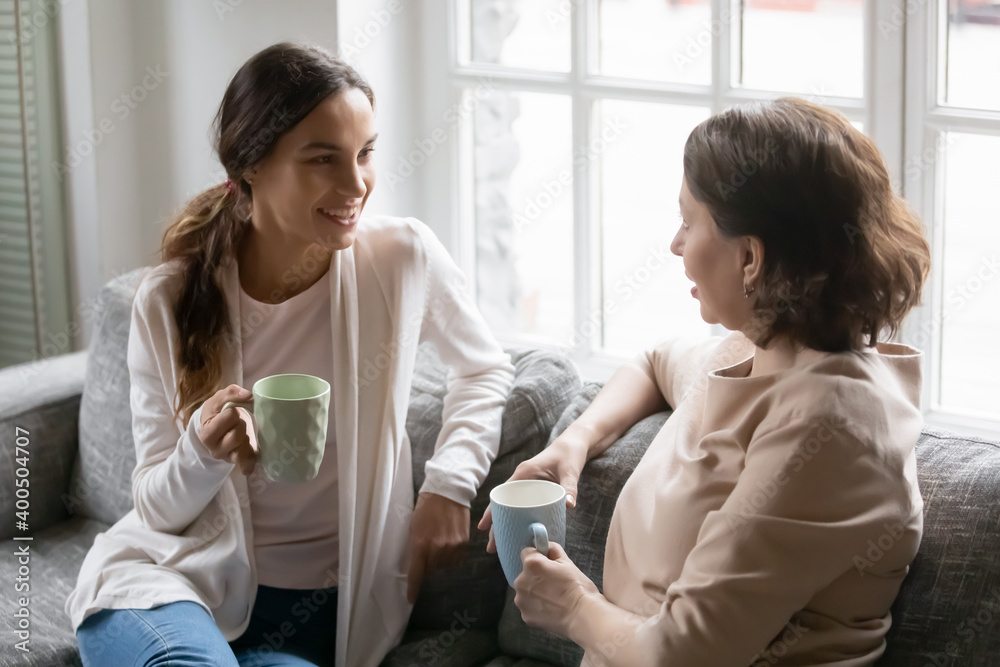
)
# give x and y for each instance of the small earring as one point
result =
(747, 291)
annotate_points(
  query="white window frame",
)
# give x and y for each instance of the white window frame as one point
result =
(900, 123)
(925, 118)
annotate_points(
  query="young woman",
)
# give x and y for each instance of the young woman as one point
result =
(274, 271)
(744, 536)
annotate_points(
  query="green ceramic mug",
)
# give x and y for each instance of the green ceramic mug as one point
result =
(290, 413)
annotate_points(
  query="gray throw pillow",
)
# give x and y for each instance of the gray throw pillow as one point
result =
(101, 484)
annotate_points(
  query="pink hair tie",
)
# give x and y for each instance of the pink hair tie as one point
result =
(229, 184)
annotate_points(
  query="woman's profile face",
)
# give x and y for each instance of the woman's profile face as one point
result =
(713, 262)
(314, 184)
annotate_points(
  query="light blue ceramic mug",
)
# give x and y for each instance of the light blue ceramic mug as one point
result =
(526, 513)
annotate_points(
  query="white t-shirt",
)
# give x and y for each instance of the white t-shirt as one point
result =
(295, 526)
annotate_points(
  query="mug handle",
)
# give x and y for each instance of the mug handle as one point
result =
(541, 538)
(248, 406)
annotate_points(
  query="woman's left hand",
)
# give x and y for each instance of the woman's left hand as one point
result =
(550, 588)
(439, 533)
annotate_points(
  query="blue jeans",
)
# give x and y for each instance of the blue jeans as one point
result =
(288, 627)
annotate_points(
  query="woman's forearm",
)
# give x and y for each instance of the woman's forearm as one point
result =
(629, 396)
(608, 632)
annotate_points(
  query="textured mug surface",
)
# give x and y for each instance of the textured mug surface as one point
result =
(515, 507)
(290, 414)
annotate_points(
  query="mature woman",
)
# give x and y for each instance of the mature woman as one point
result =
(744, 535)
(274, 272)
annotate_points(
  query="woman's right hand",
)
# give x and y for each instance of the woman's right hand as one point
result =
(225, 432)
(561, 462)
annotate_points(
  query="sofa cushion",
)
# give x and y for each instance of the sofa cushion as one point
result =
(586, 528)
(101, 485)
(509, 661)
(543, 385)
(457, 646)
(39, 409)
(948, 609)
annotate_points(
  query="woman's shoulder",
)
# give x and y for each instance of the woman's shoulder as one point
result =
(160, 286)
(391, 234)
(870, 399)
(854, 379)
(402, 250)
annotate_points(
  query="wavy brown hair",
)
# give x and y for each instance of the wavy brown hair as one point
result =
(845, 258)
(269, 95)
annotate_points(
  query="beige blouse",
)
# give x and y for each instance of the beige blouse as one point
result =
(773, 518)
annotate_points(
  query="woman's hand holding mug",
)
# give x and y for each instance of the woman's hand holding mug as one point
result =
(561, 462)
(224, 432)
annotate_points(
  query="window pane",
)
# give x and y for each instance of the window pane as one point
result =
(813, 47)
(646, 296)
(970, 374)
(524, 214)
(654, 39)
(533, 34)
(973, 52)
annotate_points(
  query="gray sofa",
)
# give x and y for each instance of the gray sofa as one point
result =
(75, 411)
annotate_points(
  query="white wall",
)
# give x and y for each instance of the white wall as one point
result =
(124, 184)
(380, 39)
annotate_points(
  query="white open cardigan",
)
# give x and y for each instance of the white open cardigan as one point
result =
(190, 537)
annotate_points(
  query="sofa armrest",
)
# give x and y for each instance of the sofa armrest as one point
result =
(39, 415)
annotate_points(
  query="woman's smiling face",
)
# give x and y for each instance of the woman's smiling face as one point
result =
(315, 183)
(714, 262)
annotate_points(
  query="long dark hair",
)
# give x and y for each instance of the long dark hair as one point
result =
(845, 258)
(269, 95)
